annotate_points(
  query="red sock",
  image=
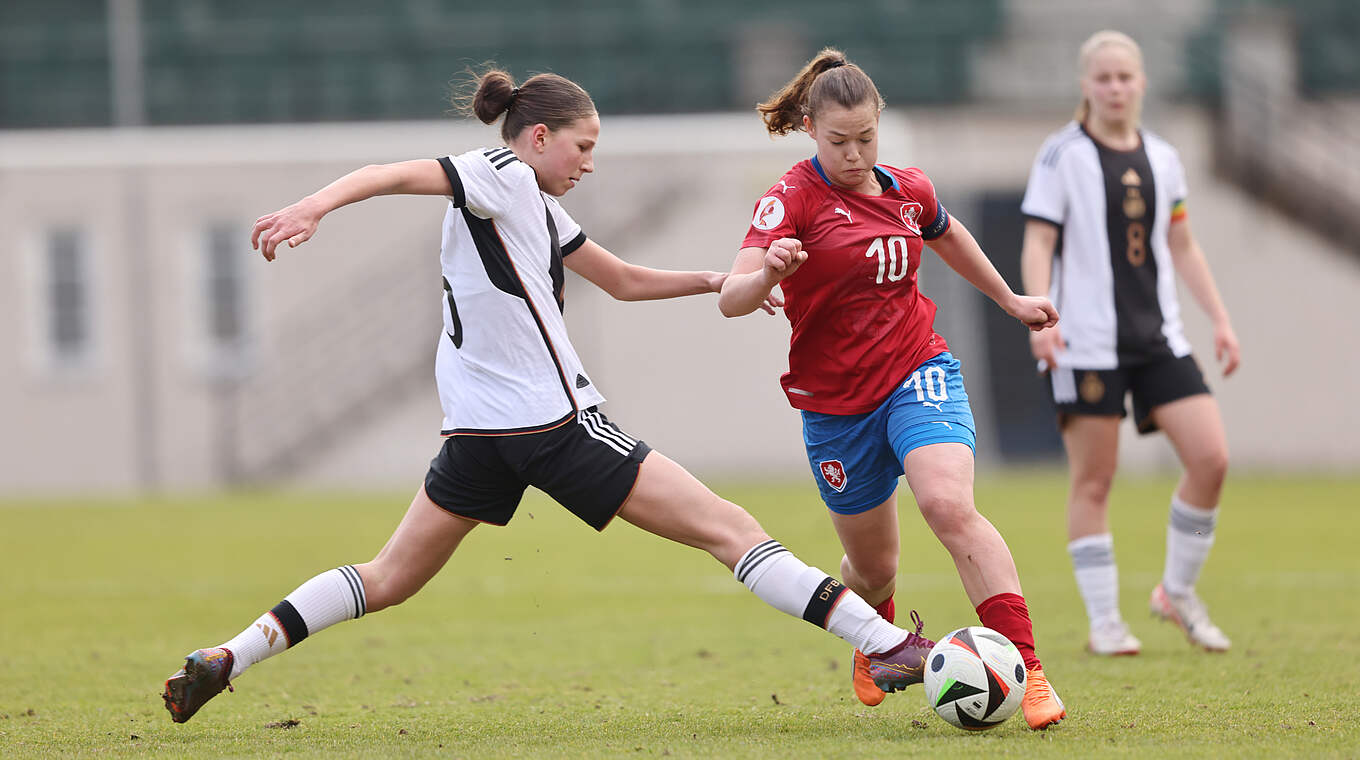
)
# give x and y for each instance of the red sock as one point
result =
(886, 609)
(1007, 615)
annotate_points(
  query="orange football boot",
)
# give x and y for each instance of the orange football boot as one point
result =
(865, 688)
(1041, 704)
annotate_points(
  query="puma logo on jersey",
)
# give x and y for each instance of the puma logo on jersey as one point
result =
(787, 187)
(840, 210)
(938, 408)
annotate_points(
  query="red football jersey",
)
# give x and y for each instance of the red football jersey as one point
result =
(860, 325)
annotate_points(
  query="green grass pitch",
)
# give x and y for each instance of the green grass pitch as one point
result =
(546, 640)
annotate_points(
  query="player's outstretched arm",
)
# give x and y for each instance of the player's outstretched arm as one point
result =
(962, 253)
(630, 282)
(1188, 258)
(295, 224)
(754, 275)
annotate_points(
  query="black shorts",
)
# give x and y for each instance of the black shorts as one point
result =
(1102, 391)
(587, 464)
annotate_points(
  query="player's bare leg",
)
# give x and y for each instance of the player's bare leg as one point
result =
(418, 549)
(941, 478)
(1092, 444)
(1195, 428)
(671, 503)
(420, 546)
(869, 567)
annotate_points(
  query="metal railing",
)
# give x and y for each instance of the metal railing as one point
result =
(1301, 155)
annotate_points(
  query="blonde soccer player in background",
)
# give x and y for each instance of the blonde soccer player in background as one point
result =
(1117, 193)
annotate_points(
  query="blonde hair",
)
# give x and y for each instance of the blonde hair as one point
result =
(828, 77)
(1088, 49)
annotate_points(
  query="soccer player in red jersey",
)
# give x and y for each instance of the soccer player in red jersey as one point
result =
(879, 393)
(520, 409)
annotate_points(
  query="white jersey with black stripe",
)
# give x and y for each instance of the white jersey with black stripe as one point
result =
(505, 364)
(1113, 281)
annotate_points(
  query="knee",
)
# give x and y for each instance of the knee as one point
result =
(874, 573)
(1092, 489)
(947, 513)
(1209, 466)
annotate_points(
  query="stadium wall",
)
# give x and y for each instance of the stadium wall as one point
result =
(114, 374)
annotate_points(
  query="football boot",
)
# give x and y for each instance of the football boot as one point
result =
(204, 676)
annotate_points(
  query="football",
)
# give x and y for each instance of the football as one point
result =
(975, 678)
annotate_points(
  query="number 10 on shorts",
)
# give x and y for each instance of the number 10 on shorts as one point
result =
(928, 383)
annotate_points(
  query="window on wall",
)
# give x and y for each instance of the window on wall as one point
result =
(68, 319)
(224, 332)
(225, 286)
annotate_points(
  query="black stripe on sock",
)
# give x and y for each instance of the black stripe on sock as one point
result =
(750, 553)
(757, 561)
(294, 627)
(363, 595)
(757, 556)
(819, 607)
(352, 578)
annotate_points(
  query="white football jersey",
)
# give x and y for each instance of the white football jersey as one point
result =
(1113, 281)
(504, 363)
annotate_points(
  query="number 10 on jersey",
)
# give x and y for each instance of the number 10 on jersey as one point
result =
(893, 257)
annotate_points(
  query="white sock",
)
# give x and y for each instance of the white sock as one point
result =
(1189, 535)
(784, 582)
(331, 597)
(1097, 576)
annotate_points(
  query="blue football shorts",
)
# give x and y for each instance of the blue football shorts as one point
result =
(856, 459)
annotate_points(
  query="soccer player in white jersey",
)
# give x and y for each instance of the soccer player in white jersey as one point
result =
(1116, 192)
(519, 409)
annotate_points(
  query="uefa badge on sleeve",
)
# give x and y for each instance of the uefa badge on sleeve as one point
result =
(769, 213)
(833, 472)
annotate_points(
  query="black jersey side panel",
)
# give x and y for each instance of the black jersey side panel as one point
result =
(501, 271)
(455, 182)
(555, 262)
(1130, 212)
(495, 259)
(457, 335)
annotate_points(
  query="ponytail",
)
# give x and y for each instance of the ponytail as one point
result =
(547, 99)
(845, 84)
